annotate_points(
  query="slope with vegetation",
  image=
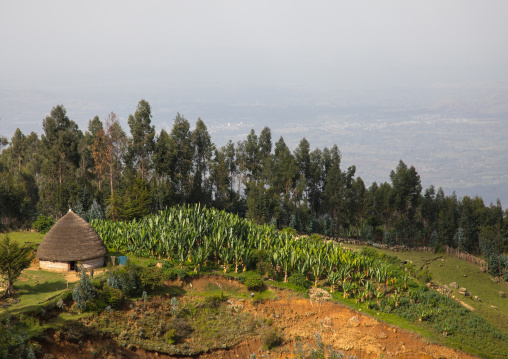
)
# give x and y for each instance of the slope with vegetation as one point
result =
(143, 171)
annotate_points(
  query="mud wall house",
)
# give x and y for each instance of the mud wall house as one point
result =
(71, 241)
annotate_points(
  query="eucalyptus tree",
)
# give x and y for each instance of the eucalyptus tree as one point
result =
(162, 159)
(220, 181)
(60, 141)
(406, 190)
(143, 137)
(303, 161)
(315, 180)
(60, 160)
(97, 140)
(18, 144)
(182, 153)
(116, 142)
(202, 155)
(334, 191)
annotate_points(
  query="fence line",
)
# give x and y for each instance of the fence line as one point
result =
(466, 256)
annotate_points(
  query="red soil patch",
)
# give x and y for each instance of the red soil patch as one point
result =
(343, 329)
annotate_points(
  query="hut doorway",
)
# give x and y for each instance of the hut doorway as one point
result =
(72, 265)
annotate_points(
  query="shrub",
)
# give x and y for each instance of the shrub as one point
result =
(254, 282)
(43, 224)
(298, 279)
(214, 300)
(369, 252)
(126, 278)
(151, 277)
(181, 327)
(171, 336)
(424, 275)
(271, 339)
(84, 291)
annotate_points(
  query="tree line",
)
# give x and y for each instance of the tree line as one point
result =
(130, 175)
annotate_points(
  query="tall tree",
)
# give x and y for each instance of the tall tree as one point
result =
(18, 146)
(220, 180)
(60, 161)
(265, 143)
(182, 153)
(334, 190)
(315, 180)
(60, 140)
(406, 190)
(203, 150)
(115, 142)
(143, 137)
(283, 169)
(98, 144)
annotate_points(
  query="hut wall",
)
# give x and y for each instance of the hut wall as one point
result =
(93, 263)
(54, 266)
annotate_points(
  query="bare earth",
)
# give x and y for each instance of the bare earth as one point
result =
(351, 332)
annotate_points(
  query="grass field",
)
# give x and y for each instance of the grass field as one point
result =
(24, 237)
(466, 275)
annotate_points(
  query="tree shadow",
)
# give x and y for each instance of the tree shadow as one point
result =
(39, 288)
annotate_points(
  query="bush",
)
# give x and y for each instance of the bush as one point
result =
(214, 300)
(181, 328)
(369, 252)
(298, 279)
(271, 339)
(424, 275)
(254, 282)
(43, 224)
(151, 277)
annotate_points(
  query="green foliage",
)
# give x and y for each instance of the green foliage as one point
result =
(84, 291)
(14, 342)
(13, 259)
(299, 279)
(125, 278)
(43, 224)
(424, 275)
(106, 298)
(136, 201)
(254, 282)
(95, 211)
(214, 300)
(444, 314)
(369, 252)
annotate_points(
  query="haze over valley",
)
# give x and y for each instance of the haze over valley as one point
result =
(425, 83)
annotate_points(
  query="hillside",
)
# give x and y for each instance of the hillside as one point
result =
(299, 319)
(196, 304)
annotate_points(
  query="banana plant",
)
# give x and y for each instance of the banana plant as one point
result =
(226, 255)
(333, 279)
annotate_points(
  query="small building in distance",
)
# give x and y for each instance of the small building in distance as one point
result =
(71, 241)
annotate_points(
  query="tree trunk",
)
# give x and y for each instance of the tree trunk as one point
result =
(111, 178)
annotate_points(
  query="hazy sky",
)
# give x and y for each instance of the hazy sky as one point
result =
(203, 58)
(288, 43)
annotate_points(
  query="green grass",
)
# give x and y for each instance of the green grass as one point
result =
(452, 269)
(35, 288)
(24, 237)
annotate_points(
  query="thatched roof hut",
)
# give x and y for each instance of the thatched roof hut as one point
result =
(69, 241)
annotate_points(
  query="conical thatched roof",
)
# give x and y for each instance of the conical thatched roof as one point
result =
(71, 239)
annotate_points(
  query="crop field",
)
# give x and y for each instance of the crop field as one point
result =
(264, 267)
